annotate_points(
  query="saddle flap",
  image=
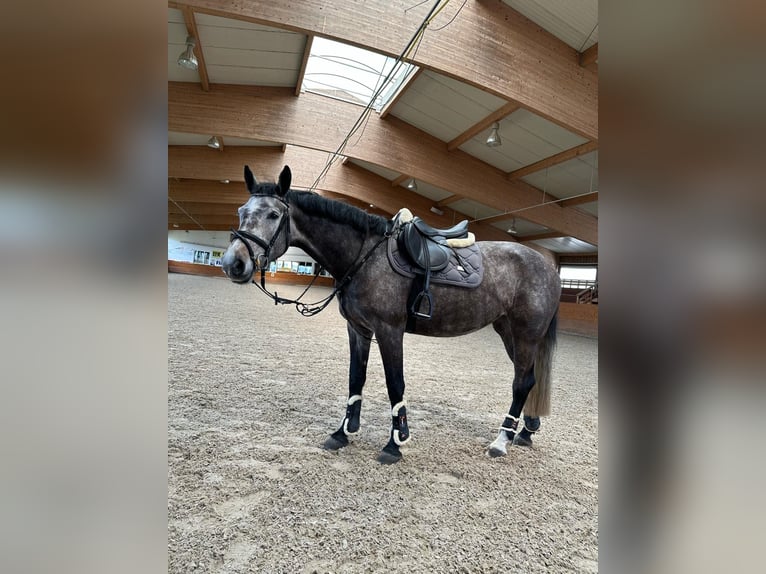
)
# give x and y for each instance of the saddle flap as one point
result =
(425, 252)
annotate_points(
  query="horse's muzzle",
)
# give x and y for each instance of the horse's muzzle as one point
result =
(236, 268)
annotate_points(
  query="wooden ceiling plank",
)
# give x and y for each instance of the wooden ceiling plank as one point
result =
(477, 128)
(561, 157)
(191, 30)
(545, 76)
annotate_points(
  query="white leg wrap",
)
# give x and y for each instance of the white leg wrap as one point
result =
(345, 429)
(396, 407)
(398, 441)
(353, 398)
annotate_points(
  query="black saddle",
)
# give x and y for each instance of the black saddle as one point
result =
(427, 247)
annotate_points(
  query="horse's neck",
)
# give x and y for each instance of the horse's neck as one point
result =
(335, 246)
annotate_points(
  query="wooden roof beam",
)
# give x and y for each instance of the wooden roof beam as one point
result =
(589, 58)
(191, 30)
(313, 121)
(561, 157)
(479, 127)
(304, 63)
(580, 199)
(399, 180)
(498, 217)
(449, 200)
(349, 180)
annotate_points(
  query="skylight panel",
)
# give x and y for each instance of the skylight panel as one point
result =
(352, 74)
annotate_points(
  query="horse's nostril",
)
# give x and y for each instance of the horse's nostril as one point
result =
(237, 268)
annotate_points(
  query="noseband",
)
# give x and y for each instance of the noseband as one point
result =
(243, 236)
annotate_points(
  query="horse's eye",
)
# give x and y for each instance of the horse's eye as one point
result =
(273, 215)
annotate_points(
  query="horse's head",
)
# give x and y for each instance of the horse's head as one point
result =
(264, 228)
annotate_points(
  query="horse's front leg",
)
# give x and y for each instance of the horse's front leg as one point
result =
(359, 343)
(390, 341)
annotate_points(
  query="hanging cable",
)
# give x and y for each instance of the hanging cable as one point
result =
(453, 18)
(187, 214)
(529, 207)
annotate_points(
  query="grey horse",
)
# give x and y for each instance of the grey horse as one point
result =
(518, 295)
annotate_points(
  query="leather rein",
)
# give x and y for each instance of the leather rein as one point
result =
(305, 309)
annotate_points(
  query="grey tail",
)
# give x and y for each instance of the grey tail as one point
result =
(538, 403)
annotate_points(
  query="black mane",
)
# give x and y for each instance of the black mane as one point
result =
(335, 210)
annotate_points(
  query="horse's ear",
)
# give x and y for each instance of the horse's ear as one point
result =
(249, 179)
(284, 180)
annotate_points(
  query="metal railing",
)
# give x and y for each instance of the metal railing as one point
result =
(578, 284)
(587, 290)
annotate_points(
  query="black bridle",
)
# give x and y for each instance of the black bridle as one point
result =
(243, 235)
(305, 309)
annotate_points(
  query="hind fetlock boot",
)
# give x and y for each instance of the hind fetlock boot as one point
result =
(531, 426)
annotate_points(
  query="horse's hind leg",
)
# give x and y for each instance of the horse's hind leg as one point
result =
(359, 344)
(522, 353)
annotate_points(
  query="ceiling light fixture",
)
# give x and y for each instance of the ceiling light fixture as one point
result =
(214, 142)
(224, 181)
(187, 59)
(436, 210)
(412, 185)
(512, 229)
(494, 136)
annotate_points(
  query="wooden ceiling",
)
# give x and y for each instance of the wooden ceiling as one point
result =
(488, 64)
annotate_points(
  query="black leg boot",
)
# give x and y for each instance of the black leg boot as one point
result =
(531, 426)
(400, 434)
(349, 426)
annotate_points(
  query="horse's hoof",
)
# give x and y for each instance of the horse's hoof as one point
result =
(388, 458)
(335, 443)
(522, 441)
(495, 452)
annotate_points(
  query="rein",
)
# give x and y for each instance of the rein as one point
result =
(305, 309)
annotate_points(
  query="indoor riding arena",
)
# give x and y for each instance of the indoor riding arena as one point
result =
(461, 135)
